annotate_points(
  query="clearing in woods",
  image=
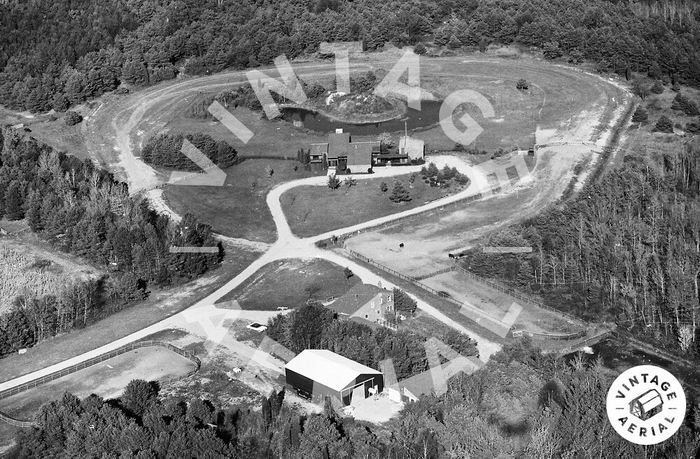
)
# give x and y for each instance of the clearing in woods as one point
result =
(33, 270)
(106, 379)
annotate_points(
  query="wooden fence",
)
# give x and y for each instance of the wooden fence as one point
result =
(88, 363)
(478, 312)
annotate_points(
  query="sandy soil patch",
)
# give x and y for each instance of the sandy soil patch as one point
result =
(107, 379)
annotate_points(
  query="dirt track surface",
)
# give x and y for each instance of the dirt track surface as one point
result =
(570, 126)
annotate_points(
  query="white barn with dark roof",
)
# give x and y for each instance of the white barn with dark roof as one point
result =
(317, 373)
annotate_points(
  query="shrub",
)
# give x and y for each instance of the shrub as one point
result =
(333, 182)
(693, 128)
(664, 125)
(420, 49)
(403, 302)
(454, 43)
(399, 193)
(72, 118)
(640, 115)
(551, 50)
(687, 106)
(383, 187)
(657, 88)
(522, 85)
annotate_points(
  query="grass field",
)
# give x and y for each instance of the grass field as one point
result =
(291, 283)
(239, 208)
(272, 138)
(107, 379)
(312, 210)
(26, 269)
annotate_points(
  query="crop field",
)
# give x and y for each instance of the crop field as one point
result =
(312, 210)
(290, 283)
(24, 270)
(107, 379)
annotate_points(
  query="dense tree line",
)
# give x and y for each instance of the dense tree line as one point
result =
(521, 404)
(627, 249)
(83, 210)
(316, 327)
(80, 50)
(165, 150)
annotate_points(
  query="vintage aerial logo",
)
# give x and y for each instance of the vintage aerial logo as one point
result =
(646, 405)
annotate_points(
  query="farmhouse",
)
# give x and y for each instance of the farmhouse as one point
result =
(366, 304)
(317, 373)
(344, 154)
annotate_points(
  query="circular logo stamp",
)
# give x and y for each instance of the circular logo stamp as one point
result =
(646, 405)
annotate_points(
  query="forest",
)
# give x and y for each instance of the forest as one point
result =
(626, 249)
(521, 404)
(165, 150)
(83, 210)
(58, 54)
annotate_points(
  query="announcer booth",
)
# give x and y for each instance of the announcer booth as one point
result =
(317, 373)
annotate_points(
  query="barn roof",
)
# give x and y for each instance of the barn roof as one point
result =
(328, 368)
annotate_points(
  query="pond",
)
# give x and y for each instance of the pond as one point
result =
(427, 116)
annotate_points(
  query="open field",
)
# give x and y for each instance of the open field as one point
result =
(107, 379)
(27, 269)
(312, 210)
(290, 283)
(237, 209)
(496, 303)
(160, 304)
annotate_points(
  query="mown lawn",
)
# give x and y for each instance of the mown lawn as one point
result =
(312, 210)
(239, 208)
(290, 283)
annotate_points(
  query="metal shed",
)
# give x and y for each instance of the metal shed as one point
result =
(317, 373)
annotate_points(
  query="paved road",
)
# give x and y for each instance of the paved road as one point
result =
(203, 316)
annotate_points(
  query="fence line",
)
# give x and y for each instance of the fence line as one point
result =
(588, 341)
(428, 288)
(514, 293)
(16, 422)
(479, 312)
(90, 362)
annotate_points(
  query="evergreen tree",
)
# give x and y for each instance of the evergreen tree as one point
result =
(14, 201)
(399, 193)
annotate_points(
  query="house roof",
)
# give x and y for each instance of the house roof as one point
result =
(328, 368)
(356, 297)
(423, 383)
(338, 144)
(360, 153)
(318, 149)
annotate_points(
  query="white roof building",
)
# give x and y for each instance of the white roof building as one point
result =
(316, 373)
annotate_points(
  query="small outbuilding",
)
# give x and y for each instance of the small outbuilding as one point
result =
(317, 373)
